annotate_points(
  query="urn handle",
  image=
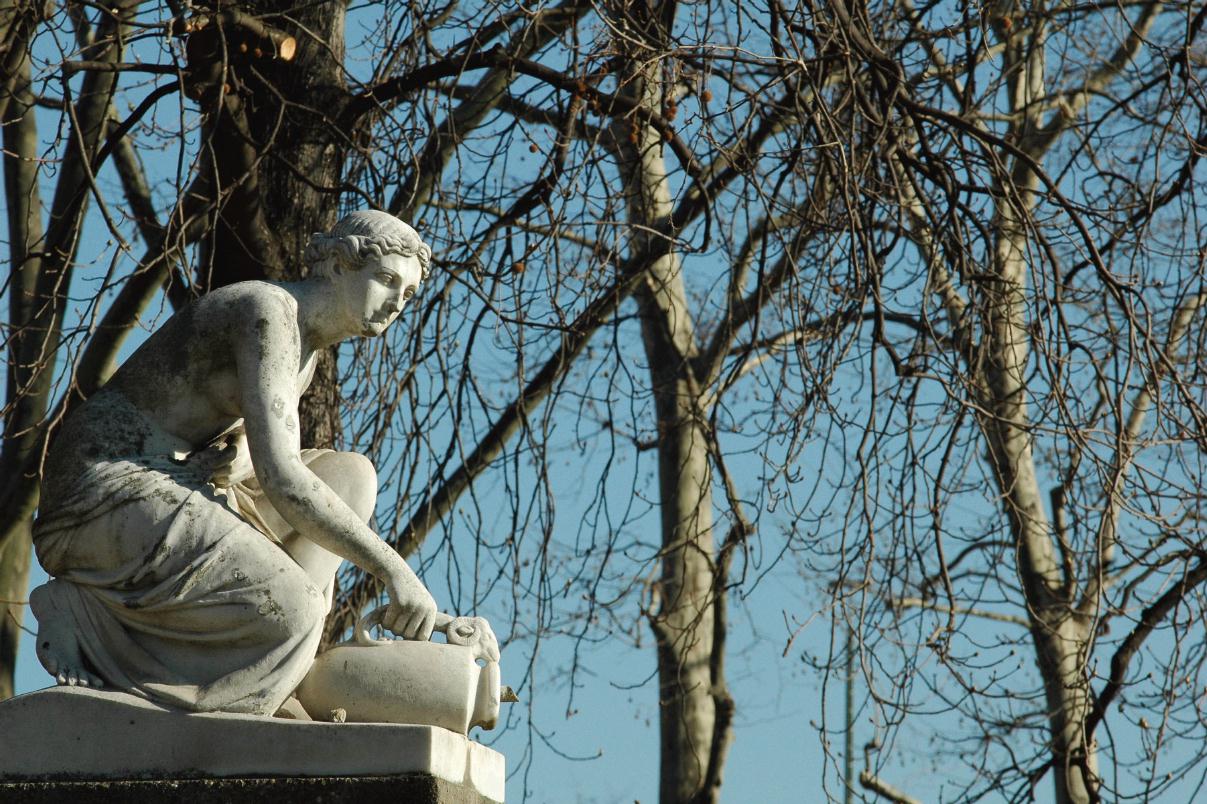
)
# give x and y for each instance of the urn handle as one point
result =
(471, 632)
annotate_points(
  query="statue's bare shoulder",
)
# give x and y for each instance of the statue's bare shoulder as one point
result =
(245, 307)
(259, 316)
(187, 375)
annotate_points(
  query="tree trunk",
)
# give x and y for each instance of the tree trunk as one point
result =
(28, 385)
(1061, 638)
(683, 625)
(277, 167)
(14, 586)
(303, 175)
(684, 620)
(1060, 635)
(42, 269)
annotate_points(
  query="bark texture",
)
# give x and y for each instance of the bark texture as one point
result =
(273, 160)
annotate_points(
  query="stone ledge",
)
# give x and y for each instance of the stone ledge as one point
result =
(412, 788)
(76, 735)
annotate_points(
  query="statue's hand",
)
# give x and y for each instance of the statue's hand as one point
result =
(229, 459)
(412, 610)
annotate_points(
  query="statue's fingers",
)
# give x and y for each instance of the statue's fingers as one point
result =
(394, 619)
(414, 625)
(427, 626)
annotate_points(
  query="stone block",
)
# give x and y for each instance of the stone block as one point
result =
(92, 743)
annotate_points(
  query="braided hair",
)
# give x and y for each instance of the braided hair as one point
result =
(360, 235)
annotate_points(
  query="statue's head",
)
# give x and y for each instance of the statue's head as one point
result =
(374, 263)
(359, 236)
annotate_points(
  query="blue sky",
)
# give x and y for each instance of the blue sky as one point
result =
(593, 736)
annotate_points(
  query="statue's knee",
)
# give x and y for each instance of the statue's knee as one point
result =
(294, 605)
(360, 467)
(351, 476)
(316, 608)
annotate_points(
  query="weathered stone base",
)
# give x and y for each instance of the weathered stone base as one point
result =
(413, 788)
(74, 744)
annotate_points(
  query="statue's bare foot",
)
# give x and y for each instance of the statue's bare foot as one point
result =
(57, 646)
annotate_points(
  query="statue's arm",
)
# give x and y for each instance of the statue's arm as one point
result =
(267, 357)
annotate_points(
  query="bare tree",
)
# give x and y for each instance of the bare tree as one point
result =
(276, 127)
(1034, 257)
(967, 217)
(932, 251)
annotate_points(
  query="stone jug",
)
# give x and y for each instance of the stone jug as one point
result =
(404, 681)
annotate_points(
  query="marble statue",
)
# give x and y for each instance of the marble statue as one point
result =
(192, 543)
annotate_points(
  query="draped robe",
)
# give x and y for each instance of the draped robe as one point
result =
(176, 589)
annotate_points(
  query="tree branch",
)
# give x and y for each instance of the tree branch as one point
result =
(609, 105)
(415, 190)
(529, 113)
(1074, 102)
(1125, 440)
(919, 603)
(282, 45)
(26, 16)
(60, 244)
(154, 233)
(122, 129)
(71, 67)
(740, 309)
(573, 339)
(870, 781)
(1150, 618)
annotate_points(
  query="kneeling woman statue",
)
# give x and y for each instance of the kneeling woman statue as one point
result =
(192, 543)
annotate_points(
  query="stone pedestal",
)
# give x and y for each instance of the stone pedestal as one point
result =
(73, 744)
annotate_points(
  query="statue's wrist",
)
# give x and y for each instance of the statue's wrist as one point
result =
(396, 573)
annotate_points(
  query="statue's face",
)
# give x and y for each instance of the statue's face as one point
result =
(374, 295)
